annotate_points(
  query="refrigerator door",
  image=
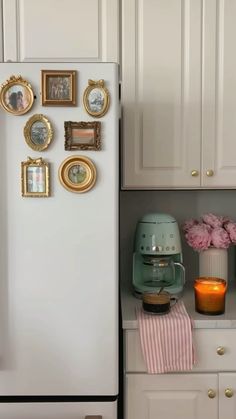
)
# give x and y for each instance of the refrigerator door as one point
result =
(59, 263)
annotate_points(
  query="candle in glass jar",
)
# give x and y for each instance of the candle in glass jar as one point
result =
(210, 295)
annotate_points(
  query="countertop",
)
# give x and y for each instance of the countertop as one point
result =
(223, 321)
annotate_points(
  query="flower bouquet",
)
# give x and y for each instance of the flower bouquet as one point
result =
(210, 231)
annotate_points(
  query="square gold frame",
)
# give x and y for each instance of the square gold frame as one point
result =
(82, 135)
(58, 87)
(35, 178)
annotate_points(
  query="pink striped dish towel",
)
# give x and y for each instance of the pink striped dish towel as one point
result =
(166, 341)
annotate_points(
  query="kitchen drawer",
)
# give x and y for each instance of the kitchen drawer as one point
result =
(206, 343)
(63, 410)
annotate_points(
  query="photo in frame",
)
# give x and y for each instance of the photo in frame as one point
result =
(16, 95)
(96, 98)
(38, 132)
(77, 174)
(82, 135)
(35, 178)
(58, 87)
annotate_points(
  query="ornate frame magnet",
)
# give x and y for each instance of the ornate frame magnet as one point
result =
(96, 98)
(77, 174)
(35, 178)
(16, 95)
(38, 132)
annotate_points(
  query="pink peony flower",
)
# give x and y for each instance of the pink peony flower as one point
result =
(213, 220)
(230, 227)
(210, 231)
(220, 238)
(199, 236)
(188, 224)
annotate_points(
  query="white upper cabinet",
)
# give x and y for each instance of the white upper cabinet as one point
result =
(179, 102)
(161, 92)
(218, 94)
(61, 30)
(1, 39)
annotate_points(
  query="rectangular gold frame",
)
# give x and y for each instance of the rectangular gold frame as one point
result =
(35, 178)
(87, 143)
(60, 93)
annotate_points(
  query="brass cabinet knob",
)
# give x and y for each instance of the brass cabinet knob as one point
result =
(209, 172)
(211, 393)
(220, 350)
(194, 173)
(229, 392)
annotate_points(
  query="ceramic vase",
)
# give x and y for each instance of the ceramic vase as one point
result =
(214, 263)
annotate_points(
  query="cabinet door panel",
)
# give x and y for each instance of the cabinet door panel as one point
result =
(227, 405)
(161, 93)
(65, 30)
(171, 396)
(219, 99)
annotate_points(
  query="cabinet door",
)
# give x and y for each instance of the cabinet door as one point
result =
(65, 30)
(219, 99)
(178, 396)
(227, 395)
(1, 39)
(161, 93)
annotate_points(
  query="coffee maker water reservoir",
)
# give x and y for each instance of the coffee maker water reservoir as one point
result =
(157, 258)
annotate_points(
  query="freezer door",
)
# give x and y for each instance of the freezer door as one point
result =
(59, 254)
(58, 410)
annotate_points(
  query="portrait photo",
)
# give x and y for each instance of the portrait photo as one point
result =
(16, 95)
(58, 87)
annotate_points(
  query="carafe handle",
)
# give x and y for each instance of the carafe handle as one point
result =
(182, 269)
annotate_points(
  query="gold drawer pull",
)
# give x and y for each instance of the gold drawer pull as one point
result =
(220, 350)
(194, 173)
(229, 392)
(211, 393)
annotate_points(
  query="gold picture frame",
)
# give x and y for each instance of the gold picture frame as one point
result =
(96, 98)
(58, 87)
(77, 174)
(35, 178)
(82, 135)
(16, 95)
(38, 132)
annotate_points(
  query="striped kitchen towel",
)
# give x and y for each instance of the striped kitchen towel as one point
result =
(166, 341)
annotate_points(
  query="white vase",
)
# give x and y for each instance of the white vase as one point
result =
(214, 262)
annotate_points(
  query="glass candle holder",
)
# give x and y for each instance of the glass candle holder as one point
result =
(210, 295)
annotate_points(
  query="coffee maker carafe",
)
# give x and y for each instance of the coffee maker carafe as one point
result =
(157, 258)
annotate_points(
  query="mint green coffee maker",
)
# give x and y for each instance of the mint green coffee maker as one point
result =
(158, 258)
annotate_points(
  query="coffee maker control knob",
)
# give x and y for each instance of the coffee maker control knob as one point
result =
(157, 248)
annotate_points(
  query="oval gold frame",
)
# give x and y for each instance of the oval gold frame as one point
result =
(28, 133)
(100, 85)
(8, 84)
(88, 182)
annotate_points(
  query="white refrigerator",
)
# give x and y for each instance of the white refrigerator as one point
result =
(59, 259)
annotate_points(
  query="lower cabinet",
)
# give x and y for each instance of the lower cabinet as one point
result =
(181, 396)
(208, 391)
(178, 396)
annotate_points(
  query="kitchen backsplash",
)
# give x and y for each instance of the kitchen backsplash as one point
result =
(180, 204)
